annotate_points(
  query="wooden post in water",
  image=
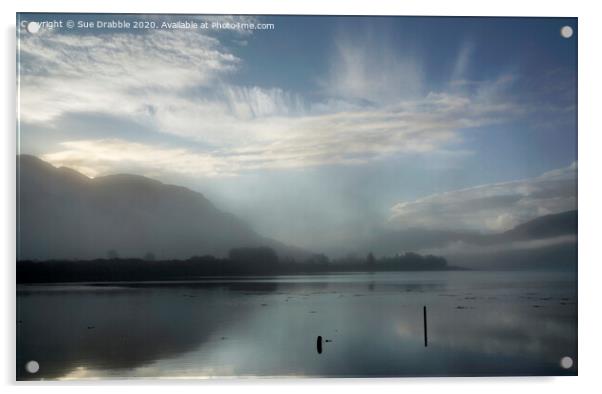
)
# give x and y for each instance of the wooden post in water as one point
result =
(425, 334)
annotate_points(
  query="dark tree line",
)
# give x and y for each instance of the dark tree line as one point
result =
(240, 261)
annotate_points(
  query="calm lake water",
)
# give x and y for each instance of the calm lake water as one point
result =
(479, 323)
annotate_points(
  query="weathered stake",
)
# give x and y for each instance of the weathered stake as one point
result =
(425, 334)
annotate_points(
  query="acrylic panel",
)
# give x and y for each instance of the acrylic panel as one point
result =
(295, 196)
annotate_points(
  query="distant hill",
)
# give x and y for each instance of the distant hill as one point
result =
(549, 241)
(547, 226)
(63, 214)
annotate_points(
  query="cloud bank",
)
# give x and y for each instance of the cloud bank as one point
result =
(493, 207)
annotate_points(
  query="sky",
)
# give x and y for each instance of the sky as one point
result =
(322, 128)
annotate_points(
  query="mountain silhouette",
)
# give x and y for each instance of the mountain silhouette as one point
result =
(554, 225)
(63, 214)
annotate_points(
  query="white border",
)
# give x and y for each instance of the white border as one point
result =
(375, 7)
(590, 33)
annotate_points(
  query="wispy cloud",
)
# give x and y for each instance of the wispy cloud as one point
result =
(113, 73)
(368, 70)
(177, 83)
(243, 144)
(99, 157)
(492, 207)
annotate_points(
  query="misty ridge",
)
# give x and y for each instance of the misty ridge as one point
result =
(65, 217)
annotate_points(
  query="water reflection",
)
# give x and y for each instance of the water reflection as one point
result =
(120, 328)
(479, 324)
